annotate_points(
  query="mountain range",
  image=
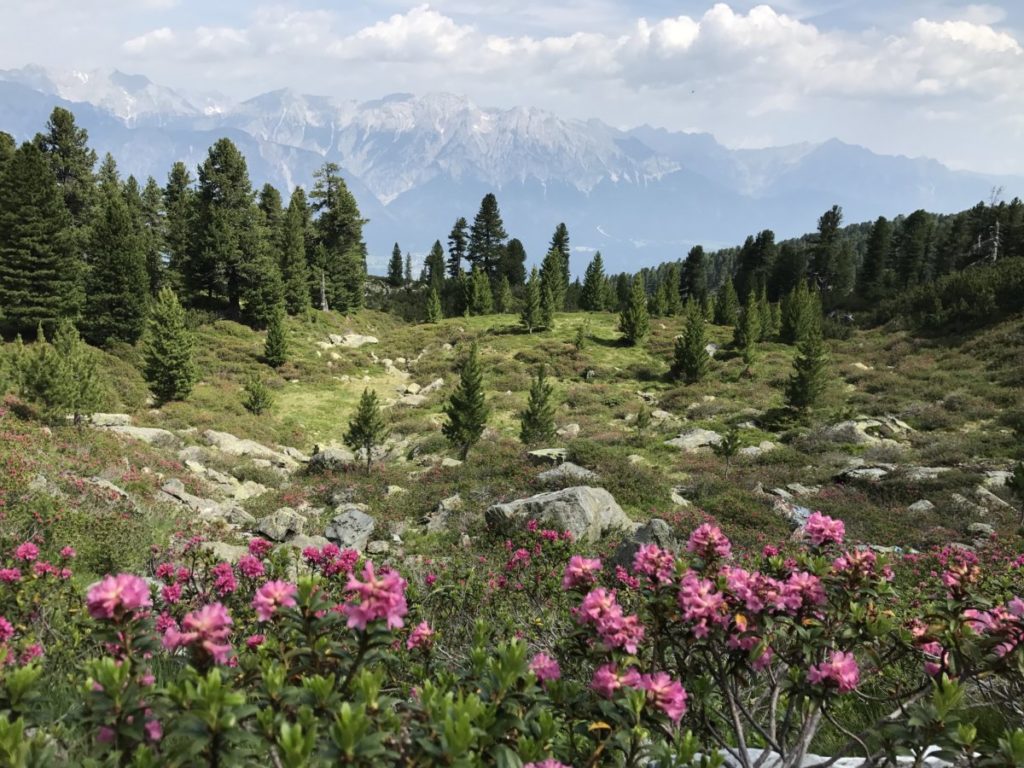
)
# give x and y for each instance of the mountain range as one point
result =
(416, 163)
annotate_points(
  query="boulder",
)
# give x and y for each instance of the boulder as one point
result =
(150, 435)
(587, 513)
(110, 420)
(548, 455)
(236, 446)
(331, 460)
(227, 512)
(568, 472)
(221, 550)
(659, 415)
(989, 500)
(866, 430)
(350, 528)
(711, 348)
(695, 439)
(965, 506)
(433, 386)
(378, 548)
(756, 450)
(794, 514)
(448, 462)
(980, 531)
(677, 497)
(352, 340)
(282, 524)
(174, 491)
(569, 431)
(302, 541)
(440, 519)
(654, 531)
(923, 474)
(413, 388)
(394, 490)
(921, 507)
(412, 400)
(114, 492)
(997, 478)
(799, 489)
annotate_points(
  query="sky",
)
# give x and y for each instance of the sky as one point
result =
(939, 78)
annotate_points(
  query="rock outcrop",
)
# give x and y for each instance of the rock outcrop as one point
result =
(587, 513)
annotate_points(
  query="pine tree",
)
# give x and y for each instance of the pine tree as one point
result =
(552, 277)
(530, 315)
(487, 237)
(643, 418)
(458, 244)
(634, 322)
(348, 295)
(657, 305)
(513, 262)
(505, 301)
(434, 267)
(547, 306)
(117, 285)
(260, 289)
(434, 313)
(466, 410)
(764, 315)
(775, 318)
(270, 205)
(727, 304)
(367, 429)
(593, 297)
(179, 210)
(560, 244)
(748, 330)
(537, 422)
(275, 349)
(809, 381)
(153, 244)
(483, 300)
(339, 249)
(258, 397)
(170, 367)
(673, 299)
(295, 279)
(40, 276)
(66, 147)
(693, 283)
(692, 362)
(796, 314)
(872, 277)
(395, 267)
(62, 378)
(7, 147)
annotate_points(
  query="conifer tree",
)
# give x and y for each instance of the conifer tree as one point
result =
(466, 410)
(692, 362)
(872, 277)
(487, 237)
(748, 330)
(260, 289)
(367, 429)
(71, 161)
(673, 299)
(547, 306)
(657, 305)
(513, 262)
(560, 244)
(40, 276)
(693, 283)
(295, 278)
(727, 304)
(348, 295)
(434, 267)
(809, 380)
(505, 300)
(434, 313)
(796, 314)
(775, 318)
(551, 278)
(7, 147)
(270, 205)
(62, 378)
(764, 315)
(395, 267)
(458, 244)
(258, 397)
(634, 322)
(483, 300)
(530, 315)
(537, 422)
(170, 367)
(340, 252)
(117, 285)
(179, 210)
(593, 297)
(153, 244)
(275, 348)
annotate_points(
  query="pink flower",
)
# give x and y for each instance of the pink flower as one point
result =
(841, 670)
(607, 680)
(708, 542)
(702, 605)
(549, 763)
(31, 653)
(105, 734)
(616, 630)
(378, 598)
(656, 563)
(171, 594)
(666, 694)
(27, 552)
(259, 547)
(422, 636)
(224, 579)
(250, 566)
(10, 575)
(206, 630)
(117, 595)
(255, 641)
(68, 553)
(822, 529)
(430, 578)
(154, 731)
(6, 630)
(580, 572)
(271, 596)
(545, 668)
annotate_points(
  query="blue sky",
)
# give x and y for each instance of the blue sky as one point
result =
(938, 78)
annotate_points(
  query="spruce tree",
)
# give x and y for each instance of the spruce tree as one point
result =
(872, 277)
(552, 278)
(487, 237)
(348, 295)
(693, 283)
(505, 300)
(339, 249)
(170, 367)
(657, 304)
(275, 348)
(727, 304)
(483, 300)
(40, 276)
(466, 410)
(634, 322)
(796, 314)
(258, 397)
(673, 299)
(560, 244)
(179, 213)
(513, 262)
(434, 313)
(692, 362)
(748, 330)
(593, 297)
(117, 285)
(295, 278)
(764, 315)
(153, 242)
(547, 306)
(395, 267)
(458, 244)
(537, 422)
(809, 380)
(71, 161)
(434, 267)
(530, 315)
(367, 428)
(260, 288)
(62, 378)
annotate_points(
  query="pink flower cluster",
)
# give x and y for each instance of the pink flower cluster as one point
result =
(708, 542)
(118, 596)
(657, 564)
(840, 670)
(422, 636)
(821, 529)
(331, 559)
(702, 604)
(615, 629)
(545, 667)
(1004, 623)
(206, 631)
(662, 690)
(375, 598)
(549, 763)
(580, 572)
(271, 596)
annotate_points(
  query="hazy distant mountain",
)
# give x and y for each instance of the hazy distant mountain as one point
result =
(417, 163)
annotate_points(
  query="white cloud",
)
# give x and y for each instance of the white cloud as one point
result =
(158, 38)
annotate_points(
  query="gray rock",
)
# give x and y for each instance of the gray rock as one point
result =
(654, 531)
(711, 348)
(282, 524)
(866, 430)
(109, 488)
(221, 550)
(800, 489)
(413, 388)
(588, 513)
(548, 455)
(302, 541)
(869, 473)
(341, 496)
(923, 474)
(989, 500)
(174, 491)
(782, 493)
(695, 439)
(395, 490)
(331, 460)
(227, 512)
(980, 530)
(378, 548)
(569, 430)
(636, 459)
(677, 497)
(42, 484)
(352, 340)
(794, 514)
(110, 420)
(350, 528)
(965, 506)
(568, 472)
(412, 401)
(756, 450)
(449, 462)
(442, 516)
(236, 446)
(921, 507)
(659, 415)
(433, 386)
(295, 453)
(151, 435)
(996, 478)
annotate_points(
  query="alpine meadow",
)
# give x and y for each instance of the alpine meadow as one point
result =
(370, 431)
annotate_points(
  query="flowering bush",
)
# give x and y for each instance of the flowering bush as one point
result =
(327, 659)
